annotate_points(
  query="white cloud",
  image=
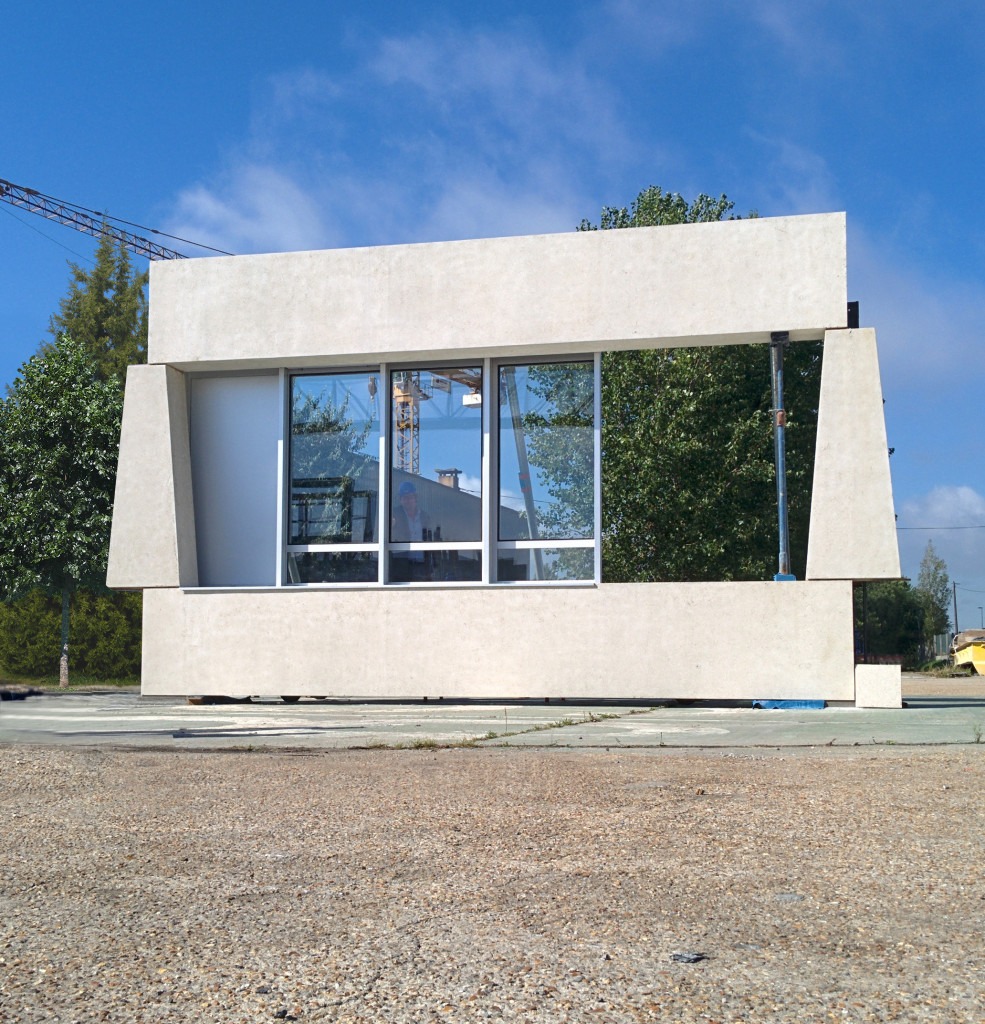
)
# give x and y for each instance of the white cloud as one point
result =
(790, 25)
(648, 26)
(470, 484)
(254, 208)
(930, 325)
(530, 92)
(442, 135)
(477, 205)
(960, 506)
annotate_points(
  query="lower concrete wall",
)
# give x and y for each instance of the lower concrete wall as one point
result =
(647, 640)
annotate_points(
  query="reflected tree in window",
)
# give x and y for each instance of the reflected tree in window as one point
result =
(547, 446)
(549, 413)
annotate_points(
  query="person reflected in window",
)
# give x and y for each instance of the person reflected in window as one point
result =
(410, 524)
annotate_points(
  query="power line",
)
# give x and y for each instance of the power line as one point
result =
(20, 220)
(976, 527)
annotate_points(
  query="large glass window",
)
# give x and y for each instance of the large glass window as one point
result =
(436, 475)
(334, 478)
(546, 507)
(385, 471)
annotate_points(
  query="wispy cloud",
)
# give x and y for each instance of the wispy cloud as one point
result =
(465, 134)
(793, 178)
(647, 26)
(253, 208)
(507, 79)
(930, 325)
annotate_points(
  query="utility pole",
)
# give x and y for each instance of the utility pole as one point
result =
(954, 591)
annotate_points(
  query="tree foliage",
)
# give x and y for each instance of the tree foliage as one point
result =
(889, 620)
(105, 311)
(688, 482)
(106, 631)
(59, 434)
(654, 207)
(934, 589)
(561, 446)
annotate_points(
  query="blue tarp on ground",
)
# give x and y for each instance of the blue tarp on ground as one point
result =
(789, 705)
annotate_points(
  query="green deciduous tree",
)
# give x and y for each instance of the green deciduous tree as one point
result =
(106, 311)
(889, 621)
(688, 484)
(59, 435)
(934, 589)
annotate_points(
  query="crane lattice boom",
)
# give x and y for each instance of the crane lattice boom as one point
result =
(68, 214)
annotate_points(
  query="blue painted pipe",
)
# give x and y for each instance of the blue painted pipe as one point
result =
(779, 341)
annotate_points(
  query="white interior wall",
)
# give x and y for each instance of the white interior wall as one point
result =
(236, 426)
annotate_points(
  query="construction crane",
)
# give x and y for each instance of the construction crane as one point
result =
(90, 222)
(408, 392)
(408, 388)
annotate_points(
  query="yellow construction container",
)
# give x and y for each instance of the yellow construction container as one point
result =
(968, 648)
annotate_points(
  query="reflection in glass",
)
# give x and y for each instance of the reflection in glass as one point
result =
(547, 452)
(553, 564)
(332, 566)
(334, 463)
(441, 566)
(436, 453)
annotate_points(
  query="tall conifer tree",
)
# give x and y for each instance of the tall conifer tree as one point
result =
(105, 311)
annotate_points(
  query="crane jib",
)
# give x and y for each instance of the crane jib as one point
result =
(73, 217)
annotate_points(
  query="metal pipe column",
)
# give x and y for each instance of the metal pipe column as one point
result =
(779, 341)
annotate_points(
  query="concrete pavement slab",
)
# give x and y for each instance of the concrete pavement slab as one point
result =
(946, 712)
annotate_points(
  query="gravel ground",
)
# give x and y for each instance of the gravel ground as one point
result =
(499, 885)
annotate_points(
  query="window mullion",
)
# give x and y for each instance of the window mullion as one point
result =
(597, 467)
(283, 474)
(489, 488)
(383, 531)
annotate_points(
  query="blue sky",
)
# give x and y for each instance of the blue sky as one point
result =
(320, 125)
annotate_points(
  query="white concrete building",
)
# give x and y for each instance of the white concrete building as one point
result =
(375, 471)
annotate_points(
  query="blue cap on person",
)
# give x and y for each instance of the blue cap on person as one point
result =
(406, 488)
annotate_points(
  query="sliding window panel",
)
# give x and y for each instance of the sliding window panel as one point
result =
(418, 563)
(334, 462)
(332, 566)
(436, 456)
(545, 564)
(547, 472)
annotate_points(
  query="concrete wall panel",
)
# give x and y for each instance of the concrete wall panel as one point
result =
(878, 686)
(582, 291)
(700, 640)
(152, 543)
(853, 524)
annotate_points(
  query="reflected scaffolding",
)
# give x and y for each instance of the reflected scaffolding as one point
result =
(334, 459)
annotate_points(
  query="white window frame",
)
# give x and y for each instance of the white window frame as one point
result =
(489, 545)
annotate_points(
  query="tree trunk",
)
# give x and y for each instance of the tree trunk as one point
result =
(63, 661)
